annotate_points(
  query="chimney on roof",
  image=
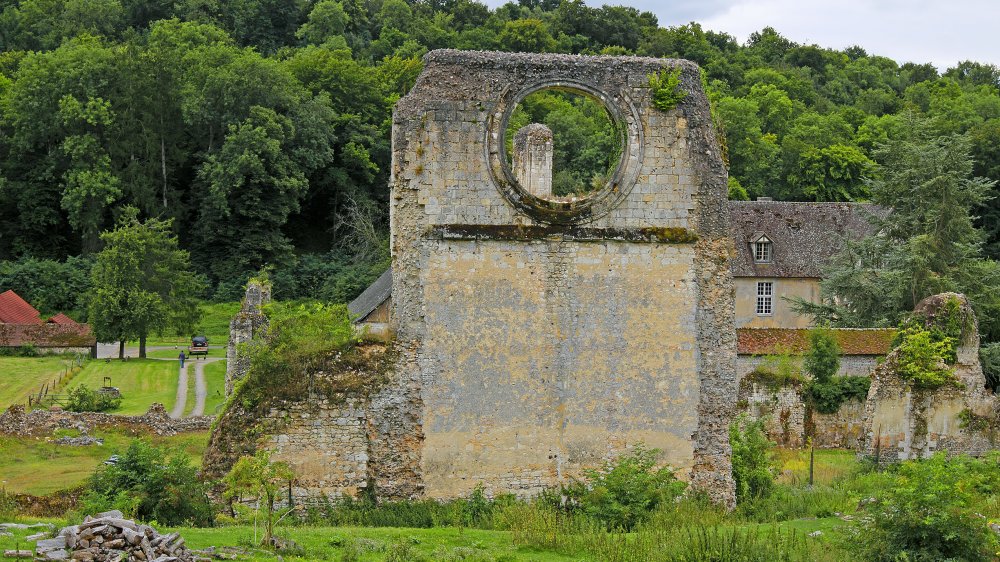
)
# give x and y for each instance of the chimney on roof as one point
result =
(765, 199)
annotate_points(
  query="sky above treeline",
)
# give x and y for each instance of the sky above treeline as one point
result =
(942, 33)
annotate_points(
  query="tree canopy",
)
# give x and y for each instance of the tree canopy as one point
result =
(259, 127)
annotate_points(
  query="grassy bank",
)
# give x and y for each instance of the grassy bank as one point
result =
(23, 376)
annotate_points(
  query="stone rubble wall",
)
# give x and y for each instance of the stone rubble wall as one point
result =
(37, 423)
(850, 365)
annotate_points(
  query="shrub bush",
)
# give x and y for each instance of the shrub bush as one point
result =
(923, 358)
(827, 396)
(151, 484)
(625, 491)
(83, 399)
(930, 512)
(753, 471)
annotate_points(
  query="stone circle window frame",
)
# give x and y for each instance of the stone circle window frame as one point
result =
(624, 117)
(765, 298)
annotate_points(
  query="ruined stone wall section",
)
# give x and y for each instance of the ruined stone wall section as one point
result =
(326, 445)
(903, 422)
(549, 338)
(532, 159)
(249, 321)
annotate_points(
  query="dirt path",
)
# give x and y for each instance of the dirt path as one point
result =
(182, 392)
(200, 385)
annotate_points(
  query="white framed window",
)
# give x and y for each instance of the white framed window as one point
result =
(765, 298)
(762, 250)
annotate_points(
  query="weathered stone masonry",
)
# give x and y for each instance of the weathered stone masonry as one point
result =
(550, 336)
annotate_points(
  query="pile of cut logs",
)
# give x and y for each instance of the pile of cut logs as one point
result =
(109, 537)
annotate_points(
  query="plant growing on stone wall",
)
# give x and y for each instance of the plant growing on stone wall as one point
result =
(922, 358)
(666, 88)
(827, 397)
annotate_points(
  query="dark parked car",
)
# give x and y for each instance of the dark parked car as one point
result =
(199, 346)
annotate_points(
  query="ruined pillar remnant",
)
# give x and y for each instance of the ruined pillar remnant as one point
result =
(242, 328)
(544, 337)
(533, 159)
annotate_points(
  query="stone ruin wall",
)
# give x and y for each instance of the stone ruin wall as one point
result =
(789, 422)
(895, 422)
(249, 321)
(550, 337)
(901, 422)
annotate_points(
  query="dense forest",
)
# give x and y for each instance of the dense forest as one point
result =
(261, 127)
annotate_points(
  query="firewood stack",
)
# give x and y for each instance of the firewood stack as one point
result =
(109, 537)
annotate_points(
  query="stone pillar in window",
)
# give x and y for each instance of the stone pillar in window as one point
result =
(533, 159)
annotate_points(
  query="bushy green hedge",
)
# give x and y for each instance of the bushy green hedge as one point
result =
(827, 397)
(931, 513)
(83, 399)
(150, 484)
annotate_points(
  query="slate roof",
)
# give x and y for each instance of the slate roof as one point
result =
(374, 295)
(795, 341)
(15, 310)
(803, 235)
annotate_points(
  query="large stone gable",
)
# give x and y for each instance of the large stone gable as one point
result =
(553, 335)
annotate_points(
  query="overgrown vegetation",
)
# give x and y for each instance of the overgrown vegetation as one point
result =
(753, 472)
(82, 399)
(922, 358)
(933, 512)
(777, 371)
(151, 484)
(301, 340)
(666, 89)
(623, 492)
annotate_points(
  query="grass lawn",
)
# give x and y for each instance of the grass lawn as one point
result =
(373, 544)
(141, 381)
(21, 376)
(828, 465)
(215, 381)
(39, 466)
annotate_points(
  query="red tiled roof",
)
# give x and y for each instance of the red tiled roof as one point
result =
(15, 310)
(769, 341)
(46, 335)
(61, 319)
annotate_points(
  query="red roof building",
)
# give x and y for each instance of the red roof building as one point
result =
(15, 310)
(61, 319)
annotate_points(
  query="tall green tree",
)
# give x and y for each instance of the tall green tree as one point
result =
(926, 243)
(141, 283)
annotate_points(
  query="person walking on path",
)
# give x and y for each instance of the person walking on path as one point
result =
(182, 358)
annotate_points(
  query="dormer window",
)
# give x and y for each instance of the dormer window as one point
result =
(762, 250)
